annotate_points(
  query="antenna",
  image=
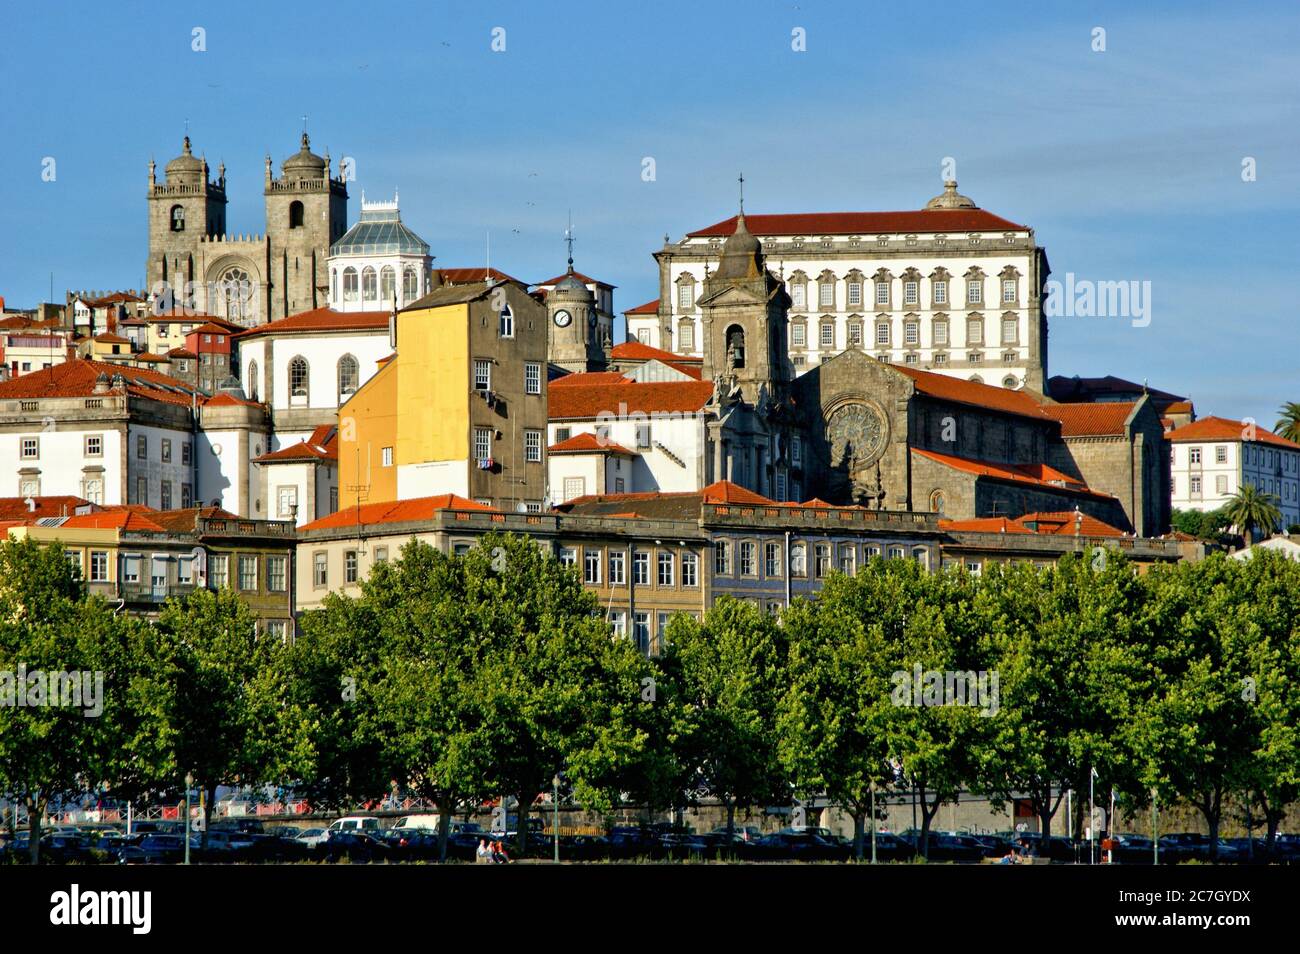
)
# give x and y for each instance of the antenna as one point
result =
(487, 273)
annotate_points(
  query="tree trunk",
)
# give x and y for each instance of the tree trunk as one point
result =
(859, 827)
(731, 819)
(444, 826)
(35, 809)
(211, 793)
(521, 835)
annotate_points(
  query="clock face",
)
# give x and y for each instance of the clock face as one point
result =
(562, 319)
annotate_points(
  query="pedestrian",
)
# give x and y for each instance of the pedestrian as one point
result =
(499, 855)
(483, 853)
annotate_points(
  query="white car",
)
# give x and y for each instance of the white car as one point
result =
(366, 823)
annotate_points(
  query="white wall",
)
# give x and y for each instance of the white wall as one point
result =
(652, 469)
(432, 478)
(322, 354)
(62, 457)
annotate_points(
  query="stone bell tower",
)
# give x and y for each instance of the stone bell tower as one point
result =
(574, 337)
(183, 209)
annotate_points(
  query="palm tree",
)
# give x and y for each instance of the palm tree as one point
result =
(1288, 424)
(1250, 509)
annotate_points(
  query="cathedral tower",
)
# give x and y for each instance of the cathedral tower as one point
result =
(575, 338)
(183, 209)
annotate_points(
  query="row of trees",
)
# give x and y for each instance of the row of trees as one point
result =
(467, 678)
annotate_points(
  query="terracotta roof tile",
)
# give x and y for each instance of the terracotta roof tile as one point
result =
(398, 511)
(588, 443)
(585, 279)
(585, 398)
(321, 444)
(1226, 429)
(649, 308)
(636, 351)
(321, 319)
(77, 378)
(1091, 420)
(1038, 474)
(468, 276)
(864, 223)
(15, 508)
(946, 388)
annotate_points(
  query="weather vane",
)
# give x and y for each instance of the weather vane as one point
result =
(568, 238)
(742, 192)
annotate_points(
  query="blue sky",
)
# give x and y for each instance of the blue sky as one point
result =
(1127, 163)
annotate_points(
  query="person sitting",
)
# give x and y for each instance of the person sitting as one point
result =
(499, 855)
(483, 854)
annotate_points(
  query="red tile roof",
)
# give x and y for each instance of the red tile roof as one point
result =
(583, 398)
(185, 520)
(150, 358)
(865, 223)
(1179, 407)
(211, 328)
(636, 351)
(15, 508)
(468, 276)
(321, 319)
(585, 279)
(984, 525)
(588, 443)
(724, 491)
(1226, 429)
(960, 391)
(1091, 420)
(77, 378)
(132, 518)
(719, 492)
(1060, 523)
(396, 511)
(107, 338)
(649, 308)
(226, 399)
(321, 444)
(1038, 474)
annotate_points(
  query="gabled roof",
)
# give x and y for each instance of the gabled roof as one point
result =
(1061, 523)
(320, 320)
(185, 520)
(468, 276)
(1107, 387)
(77, 377)
(576, 396)
(588, 443)
(636, 351)
(1102, 419)
(1225, 429)
(109, 338)
(864, 223)
(585, 279)
(117, 518)
(397, 511)
(1040, 475)
(196, 317)
(15, 508)
(657, 504)
(957, 390)
(226, 399)
(649, 308)
(210, 328)
(321, 444)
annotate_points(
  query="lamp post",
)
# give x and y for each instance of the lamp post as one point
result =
(873, 821)
(1092, 774)
(189, 784)
(555, 816)
(1155, 828)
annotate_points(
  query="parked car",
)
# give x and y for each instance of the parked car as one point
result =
(310, 837)
(1132, 850)
(355, 846)
(367, 823)
(800, 845)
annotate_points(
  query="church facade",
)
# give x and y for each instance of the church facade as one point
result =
(248, 279)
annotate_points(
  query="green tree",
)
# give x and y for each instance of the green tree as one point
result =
(1251, 509)
(728, 670)
(234, 712)
(1288, 421)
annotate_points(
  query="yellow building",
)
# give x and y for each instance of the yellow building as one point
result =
(461, 409)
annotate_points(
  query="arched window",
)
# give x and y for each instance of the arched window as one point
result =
(349, 284)
(1010, 382)
(387, 283)
(976, 379)
(937, 502)
(334, 285)
(178, 218)
(251, 381)
(235, 295)
(369, 285)
(298, 376)
(349, 375)
(410, 286)
(295, 214)
(736, 346)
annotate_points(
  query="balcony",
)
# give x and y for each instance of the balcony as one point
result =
(151, 594)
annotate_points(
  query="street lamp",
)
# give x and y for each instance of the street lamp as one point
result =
(873, 821)
(189, 784)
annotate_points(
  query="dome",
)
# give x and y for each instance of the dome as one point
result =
(572, 286)
(379, 232)
(304, 164)
(186, 165)
(742, 254)
(951, 198)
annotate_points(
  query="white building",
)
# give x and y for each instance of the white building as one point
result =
(949, 288)
(637, 431)
(378, 263)
(1213, 458)
(301, 481)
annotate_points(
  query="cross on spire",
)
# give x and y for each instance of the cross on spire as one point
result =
(304, 122)
(742, 193)
(568, 239)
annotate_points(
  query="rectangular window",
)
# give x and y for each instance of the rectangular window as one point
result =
(686, 338)
(1008, 290)
(690, 569)
(1009, 330)
(798, 335)
(482, 444)
(1196, 486)
(617, 568)
(591, 567)
(1221, 454)
(533, 447)
(506, 323)
(99, 566)
(641, 568)
(574, 487)
(641, 631)
(685, 296)
(910, 292)
(185, 452)
(772, 559)
(31, 448)
(320, 569)
(798, 560)
(940, 292)
(911, 332)
(667, 566)
(94, 445)
(381, 554)
(562, 434)
(532, 378)
(941, 332)
(823, 558)
(722, 558)
(798, 297)
(748, 559)
(166, 451)
(1221, 484)
(275, 573)
(568, 556)
(882, 333)
(286, 500)
(855, 294)
(1195, 455)
(826, 294)
(855, 333)
(248, 572)
(796, 451)
(940, 359)
(218, 571)
(482, 375)
(974, 291)
(974, 331)
(131, 568)
(166, 501)
(828, 336)
(187, 496)
(141, 490)
(618, 622)
(642, 436)
(848, 558)
(882, 293)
